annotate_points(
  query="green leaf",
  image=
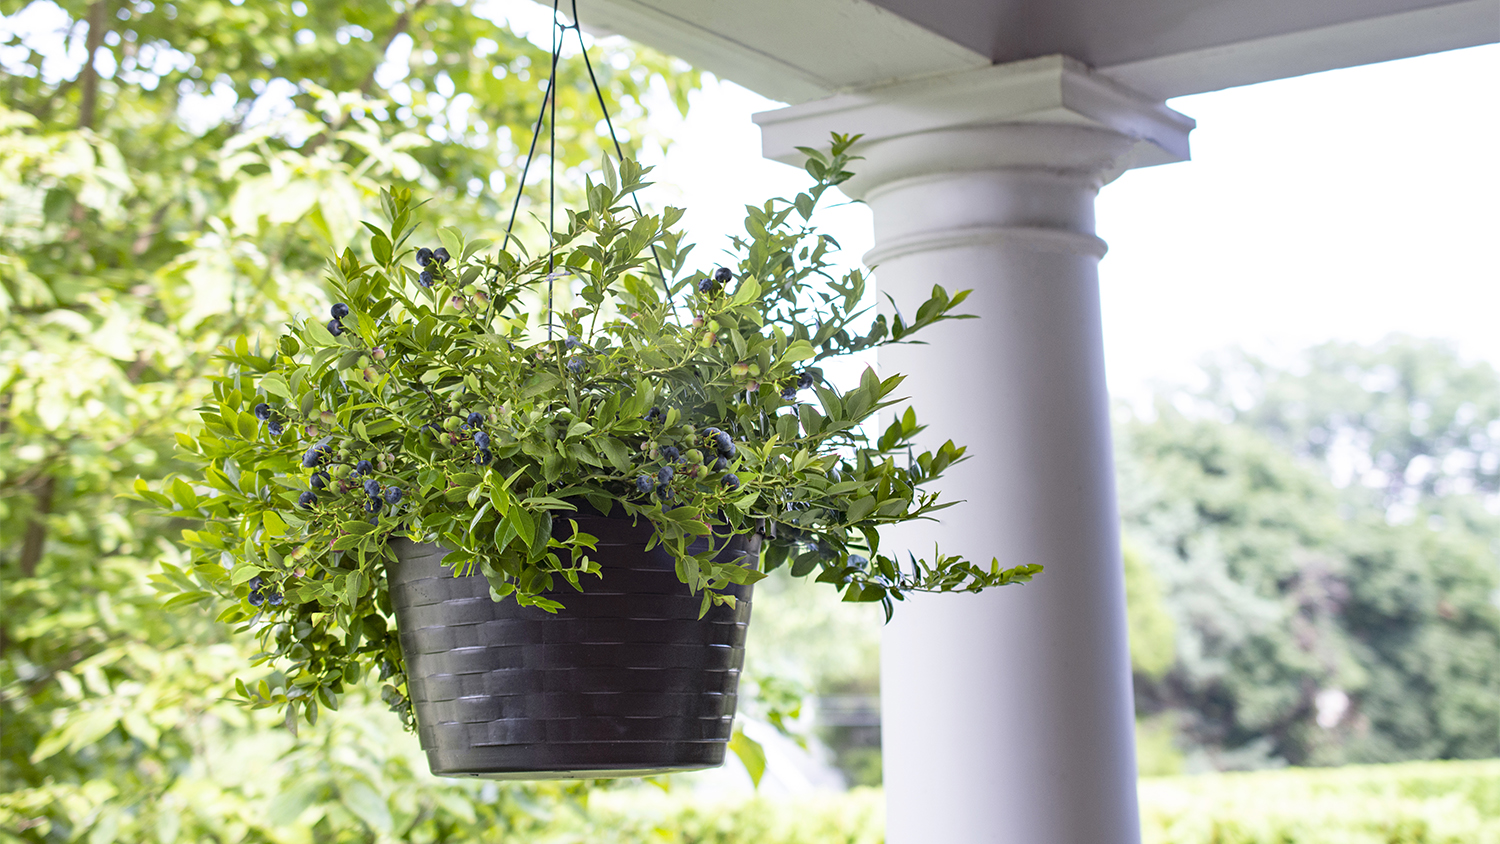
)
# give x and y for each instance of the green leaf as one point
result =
(750, 753)
(861, 508)
(366, 804)
(616, 452)
(317, 335)
(289, 805)
(521, 521)
(354, 587)
(274, 384)
(453, 239)
(183, 494)
(380, 249)
(274, 524)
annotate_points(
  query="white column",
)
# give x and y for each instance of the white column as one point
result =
(1007, 716)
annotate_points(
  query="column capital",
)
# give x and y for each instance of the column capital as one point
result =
(1053, 91)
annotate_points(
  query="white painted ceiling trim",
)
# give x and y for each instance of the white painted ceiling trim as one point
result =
(800, 50)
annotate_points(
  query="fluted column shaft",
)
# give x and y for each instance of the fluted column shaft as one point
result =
(1006, 716)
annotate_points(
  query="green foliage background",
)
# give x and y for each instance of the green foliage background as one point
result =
(140, 227)
(1326, 527)
(1290, 531)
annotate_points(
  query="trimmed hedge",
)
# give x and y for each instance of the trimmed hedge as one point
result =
(1409, 803)
(639, 816)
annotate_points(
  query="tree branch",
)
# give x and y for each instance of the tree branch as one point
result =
(403, 22)
(90, 78)
(35, 540)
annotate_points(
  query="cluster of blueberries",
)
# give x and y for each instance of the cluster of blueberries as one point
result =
(575, 363)
(260, 595)
(263, 413)
(319, 454)
(315, 456)
(378, 497)
(713, 283)
(475, 421)
(804, 381)
(428, 257)
(338, 311)
(722, 442)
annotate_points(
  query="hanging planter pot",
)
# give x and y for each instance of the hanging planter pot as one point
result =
(625, 680)
(435, 459)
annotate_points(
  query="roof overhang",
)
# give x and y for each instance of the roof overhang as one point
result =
(801, 50)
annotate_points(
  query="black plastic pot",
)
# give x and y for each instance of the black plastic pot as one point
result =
(626, 680)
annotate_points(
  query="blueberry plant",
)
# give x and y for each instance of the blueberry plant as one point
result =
(430, 404)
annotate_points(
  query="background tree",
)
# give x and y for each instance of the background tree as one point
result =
(1323, 614)
(1405, 417)
(172, 176)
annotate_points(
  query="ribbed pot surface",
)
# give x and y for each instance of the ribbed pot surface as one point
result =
(625, 680)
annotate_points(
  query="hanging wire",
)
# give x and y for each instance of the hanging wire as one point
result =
(619, 152)
(557, 39)
(549, 104)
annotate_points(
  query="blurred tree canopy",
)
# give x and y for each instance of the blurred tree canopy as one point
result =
(1323, 539)
(172, 175)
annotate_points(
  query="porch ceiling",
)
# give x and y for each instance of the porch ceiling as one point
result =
(799, 50)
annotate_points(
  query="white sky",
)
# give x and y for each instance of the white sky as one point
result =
(1348, 204)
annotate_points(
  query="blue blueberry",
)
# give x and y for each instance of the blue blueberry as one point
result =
(256, 582)
(393, 494)
(339, 310)
(335, 327)
(263, 411)
(307, 499)
(654, 414)
(274, 427)
(707, 286)
(364, 467)
(256, 599)
(711, 432)
(575, 365)
(723, 276)
(374, 505)
(441, 255)
(804, 380)
(720, 464)
(789, 394)
(670, 453)
(274, 599)
(483, 458)
(424, 256)
(482, 440)
(571, 342)
(425, 279)
(475, 419)
(315, 455)
(732, 481)
(724, 444)
(664, 476)
(320, 479)
(372, 488)
(645, 483)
